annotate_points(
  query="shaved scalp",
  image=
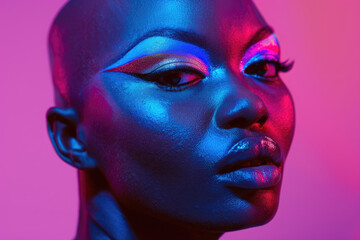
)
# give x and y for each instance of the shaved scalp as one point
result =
(59, 58)
(87, 35)
(76, 46)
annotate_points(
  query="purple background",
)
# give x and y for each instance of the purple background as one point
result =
(321, 190)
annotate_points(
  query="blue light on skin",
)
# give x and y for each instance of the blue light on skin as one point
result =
(267, 49)
(156, 149)
(154, 109)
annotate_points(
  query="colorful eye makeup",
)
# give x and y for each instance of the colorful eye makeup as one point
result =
(158, 62)
(171, 72)
(174, 65)
(262, 60)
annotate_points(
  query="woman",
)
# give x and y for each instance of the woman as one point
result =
(174, 114)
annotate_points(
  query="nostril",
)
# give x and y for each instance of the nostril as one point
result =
(239, 122)
(245, 119)
(263, 120)
(247, 111)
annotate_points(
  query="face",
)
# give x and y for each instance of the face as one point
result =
(183, 108)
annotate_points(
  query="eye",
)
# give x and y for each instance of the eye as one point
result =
(175, 79)
(263, 69)
(267, 70)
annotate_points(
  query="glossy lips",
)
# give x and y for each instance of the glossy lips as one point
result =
(252, 163)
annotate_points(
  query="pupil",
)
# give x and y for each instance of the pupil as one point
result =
(262, 69)
(171, 79)
(259, 69)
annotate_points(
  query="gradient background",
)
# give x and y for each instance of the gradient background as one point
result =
(321, 189)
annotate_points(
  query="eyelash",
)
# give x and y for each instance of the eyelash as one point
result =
(158, 77)
(254, 68)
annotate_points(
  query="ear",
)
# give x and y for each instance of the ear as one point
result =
(62, 127)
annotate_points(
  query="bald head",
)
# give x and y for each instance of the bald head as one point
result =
(79, 37)
(153, 94)
(87, 36)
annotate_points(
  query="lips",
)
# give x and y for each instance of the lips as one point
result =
(253, 162)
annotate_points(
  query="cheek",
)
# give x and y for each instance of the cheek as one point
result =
(138, 134)
(281, 117)
(97, 124)
(144, 141)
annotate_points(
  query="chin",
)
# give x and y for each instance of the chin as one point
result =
(263, 205)
(252, 208)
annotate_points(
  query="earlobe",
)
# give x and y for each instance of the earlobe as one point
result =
(63, 132)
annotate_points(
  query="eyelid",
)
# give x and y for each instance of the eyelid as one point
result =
(266, 49)
(151, 63)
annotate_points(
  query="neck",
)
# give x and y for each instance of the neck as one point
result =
(101, 217)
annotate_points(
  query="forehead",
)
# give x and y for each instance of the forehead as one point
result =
(210, 18)
(89, 34)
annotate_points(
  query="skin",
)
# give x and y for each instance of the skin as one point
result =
(147, 155)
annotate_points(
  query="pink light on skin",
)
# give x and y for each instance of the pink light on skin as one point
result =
(59, 72)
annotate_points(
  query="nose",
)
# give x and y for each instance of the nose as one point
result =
(241, 109)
